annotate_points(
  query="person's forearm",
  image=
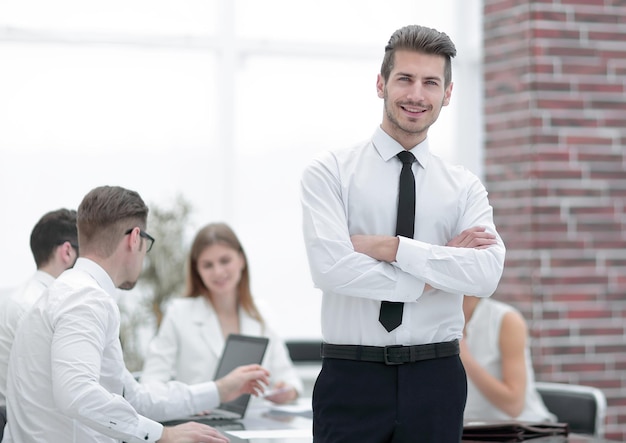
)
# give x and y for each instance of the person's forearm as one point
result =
(379, 247)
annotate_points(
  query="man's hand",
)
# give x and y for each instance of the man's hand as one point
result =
(379, 247)
(191, 432)
(249, 379)
(476, 238)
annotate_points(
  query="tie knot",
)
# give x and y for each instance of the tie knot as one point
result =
(405, 157)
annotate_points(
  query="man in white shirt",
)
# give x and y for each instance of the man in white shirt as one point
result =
(67, 381)
(54, 244)
(404, 381)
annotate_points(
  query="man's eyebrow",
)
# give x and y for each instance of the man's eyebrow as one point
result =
(403, 74)
(430, 77)
(434, 77)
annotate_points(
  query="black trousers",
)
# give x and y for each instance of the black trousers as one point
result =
(421, 402)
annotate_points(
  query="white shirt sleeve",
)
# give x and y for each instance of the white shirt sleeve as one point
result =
(92, 385)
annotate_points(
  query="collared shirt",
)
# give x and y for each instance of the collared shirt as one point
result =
(355, 191)
(12, 309)
(67, 379)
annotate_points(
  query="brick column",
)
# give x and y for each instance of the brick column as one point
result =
(555, 166)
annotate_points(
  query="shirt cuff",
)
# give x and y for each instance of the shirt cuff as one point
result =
(410, 257)
(147, 431)
(205, 395)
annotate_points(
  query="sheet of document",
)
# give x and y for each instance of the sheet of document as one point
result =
(272, 433)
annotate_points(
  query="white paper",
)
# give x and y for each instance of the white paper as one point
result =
(272, 433)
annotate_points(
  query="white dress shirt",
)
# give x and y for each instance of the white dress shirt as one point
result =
(482, 335)
(67, 379)
(189, 344)
(355, 191)
(12, 309)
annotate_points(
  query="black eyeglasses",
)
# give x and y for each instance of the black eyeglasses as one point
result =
(145, 235)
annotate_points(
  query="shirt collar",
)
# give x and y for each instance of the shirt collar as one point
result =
(98, 273)
(388, 147)
(43, 277)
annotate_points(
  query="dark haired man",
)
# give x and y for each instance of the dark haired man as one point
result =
(54, 244)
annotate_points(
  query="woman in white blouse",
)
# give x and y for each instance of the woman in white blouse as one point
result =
(496, 356)
(217, 302)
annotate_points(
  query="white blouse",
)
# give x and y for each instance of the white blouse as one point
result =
(483, 340)
(189, 343)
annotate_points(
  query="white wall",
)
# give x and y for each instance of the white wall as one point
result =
(224, 102)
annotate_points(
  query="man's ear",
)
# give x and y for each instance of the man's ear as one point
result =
(64, 252)
(134, 240)
(447, 95)
(380, 86)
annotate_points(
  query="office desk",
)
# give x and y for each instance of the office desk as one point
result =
(266, 423)
(296, 427)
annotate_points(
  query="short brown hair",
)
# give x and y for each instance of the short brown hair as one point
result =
(105, 214)
(420, 39)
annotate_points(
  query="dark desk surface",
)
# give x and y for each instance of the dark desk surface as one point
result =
(572, 438)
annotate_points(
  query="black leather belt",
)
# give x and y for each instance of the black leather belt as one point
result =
(391, 355)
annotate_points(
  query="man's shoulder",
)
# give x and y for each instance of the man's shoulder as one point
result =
(342, 155)
(452, 168)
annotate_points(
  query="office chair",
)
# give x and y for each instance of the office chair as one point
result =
(582, 407)
(304, 351)
(3, 420)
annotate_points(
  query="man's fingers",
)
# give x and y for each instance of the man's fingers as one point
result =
(475, 237)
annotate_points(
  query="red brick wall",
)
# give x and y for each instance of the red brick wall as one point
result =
(555, 165)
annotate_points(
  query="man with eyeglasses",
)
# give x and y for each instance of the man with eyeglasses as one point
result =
(54, 244)
(67, 378)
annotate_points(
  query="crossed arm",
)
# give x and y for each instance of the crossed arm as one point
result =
(385, 247)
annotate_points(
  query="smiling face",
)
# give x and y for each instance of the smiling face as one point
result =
(414, 95)
(220, 268)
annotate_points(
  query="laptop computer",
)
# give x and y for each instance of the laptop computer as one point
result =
(239, 350)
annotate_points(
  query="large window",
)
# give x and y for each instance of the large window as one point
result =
(222, 101)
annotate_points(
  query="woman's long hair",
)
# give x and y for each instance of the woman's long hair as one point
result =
(219, 233)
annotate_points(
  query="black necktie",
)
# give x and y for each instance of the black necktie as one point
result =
(391, 312)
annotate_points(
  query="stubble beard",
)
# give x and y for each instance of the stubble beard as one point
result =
(399, 126)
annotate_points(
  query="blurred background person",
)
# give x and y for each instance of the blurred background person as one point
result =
(217, 302)
(54, 244)
(496, 355)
